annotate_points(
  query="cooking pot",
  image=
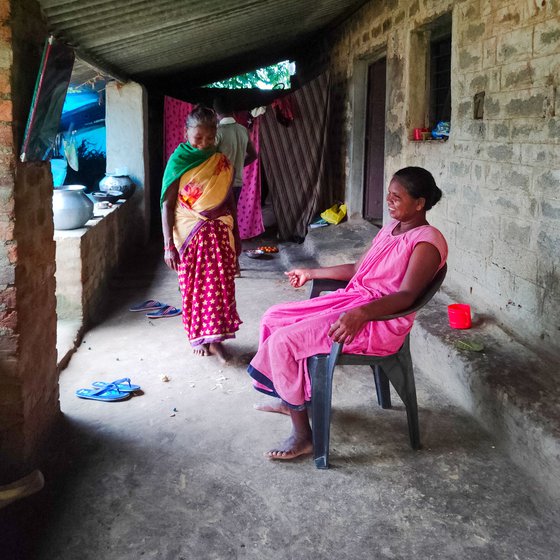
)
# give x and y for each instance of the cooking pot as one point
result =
(113, 182)
(72, 208)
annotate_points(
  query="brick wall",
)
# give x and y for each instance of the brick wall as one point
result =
(500, 175)
(28, 380)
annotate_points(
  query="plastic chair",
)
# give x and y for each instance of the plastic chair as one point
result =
(396, 368)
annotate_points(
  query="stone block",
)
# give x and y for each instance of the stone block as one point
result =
(509, 179)
(540, 155)
(469, 11)
(468, 266)
(459, 169)
(529, 130)
(516, 232)
(548, 241)
(473, 33)
(517, 75)
(471, 194)
(460, 213)
(550, 210)
(470, 57)
(516, 204)
(498, 286)
(529, 297)
(484, 220)
(492, 107)
(506, 17)
(500, 131)
(515, 46)
(472, 241)
(547, 37)
(547, 184)
(501, 152)
(529, 103)
(6, 56)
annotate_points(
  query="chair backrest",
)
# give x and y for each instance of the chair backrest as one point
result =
(423, 298)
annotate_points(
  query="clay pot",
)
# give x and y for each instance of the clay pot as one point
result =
(72, 208)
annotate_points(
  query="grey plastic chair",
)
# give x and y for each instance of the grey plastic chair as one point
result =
(396, 368)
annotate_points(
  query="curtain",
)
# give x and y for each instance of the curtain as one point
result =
(294, 154)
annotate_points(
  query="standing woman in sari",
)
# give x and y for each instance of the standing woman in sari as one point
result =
(200, 234)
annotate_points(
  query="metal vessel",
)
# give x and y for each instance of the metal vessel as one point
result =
(114, 182)
(72, 208)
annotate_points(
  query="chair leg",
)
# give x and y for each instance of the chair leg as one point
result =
(321, 369)
(398, 368)
(382, 387)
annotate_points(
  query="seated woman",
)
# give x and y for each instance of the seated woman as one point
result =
(201, 239)
(404, 257)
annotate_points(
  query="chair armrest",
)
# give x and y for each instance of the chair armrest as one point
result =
(325, 285)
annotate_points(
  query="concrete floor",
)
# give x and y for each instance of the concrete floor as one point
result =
(178, 472)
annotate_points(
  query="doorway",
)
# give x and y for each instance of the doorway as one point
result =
(374, 161)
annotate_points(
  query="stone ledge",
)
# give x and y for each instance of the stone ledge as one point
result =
(508, 388)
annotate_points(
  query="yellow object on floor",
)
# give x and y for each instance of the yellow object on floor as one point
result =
(335, 214)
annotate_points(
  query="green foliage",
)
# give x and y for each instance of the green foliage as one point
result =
(275, 76)
(91, 167)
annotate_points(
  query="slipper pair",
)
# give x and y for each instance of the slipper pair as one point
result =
(118, 390)
(156, 309)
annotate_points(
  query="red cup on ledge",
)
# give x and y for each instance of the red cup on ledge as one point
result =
(459, 316)
(417, 133)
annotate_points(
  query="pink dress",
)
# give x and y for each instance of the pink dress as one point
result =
(292, 332)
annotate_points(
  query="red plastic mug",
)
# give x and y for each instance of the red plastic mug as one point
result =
(459, 316)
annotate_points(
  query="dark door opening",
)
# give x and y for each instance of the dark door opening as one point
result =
(374, 169)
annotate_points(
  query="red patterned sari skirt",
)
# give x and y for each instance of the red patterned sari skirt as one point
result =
(207, 282)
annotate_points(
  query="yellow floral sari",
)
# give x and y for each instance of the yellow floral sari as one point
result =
(203, 232)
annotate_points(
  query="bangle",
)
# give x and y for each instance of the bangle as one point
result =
(169, 248)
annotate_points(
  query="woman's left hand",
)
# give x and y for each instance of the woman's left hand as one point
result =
(171, 258)
(345, 328)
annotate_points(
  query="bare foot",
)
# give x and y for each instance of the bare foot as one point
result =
(217, 349)
(293, 447)
(279, 407)
(201, 350)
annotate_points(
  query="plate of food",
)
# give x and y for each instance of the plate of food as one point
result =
(268, 249)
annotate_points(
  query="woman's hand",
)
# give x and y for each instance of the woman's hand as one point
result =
(298, 276)
(171, 257)
(347, 326)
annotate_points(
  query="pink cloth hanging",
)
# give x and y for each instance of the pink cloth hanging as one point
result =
(249, 214)
(175, 113)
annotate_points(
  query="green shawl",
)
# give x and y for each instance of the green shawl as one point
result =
(185, 157)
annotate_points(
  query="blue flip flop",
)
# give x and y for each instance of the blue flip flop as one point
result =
(148, 305)
(123, 385)
(167, 311)
(108, 393)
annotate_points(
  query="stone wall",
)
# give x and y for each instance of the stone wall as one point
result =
(86, 260)
(28, 376)
(500, 175)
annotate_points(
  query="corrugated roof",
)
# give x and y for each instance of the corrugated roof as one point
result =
(154, 41)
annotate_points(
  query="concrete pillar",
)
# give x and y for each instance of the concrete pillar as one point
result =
(126, 121)
(28, 374)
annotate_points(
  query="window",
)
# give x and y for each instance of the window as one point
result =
(440, 80)
(430, 77)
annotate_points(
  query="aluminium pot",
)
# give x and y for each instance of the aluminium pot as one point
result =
(114, 182)
(72, 208)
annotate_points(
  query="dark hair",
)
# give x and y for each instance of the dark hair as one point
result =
(419, 183)
(202, 116)
(222, 105)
